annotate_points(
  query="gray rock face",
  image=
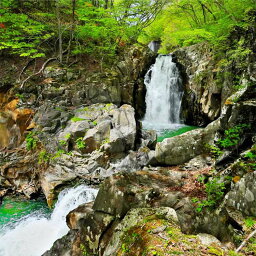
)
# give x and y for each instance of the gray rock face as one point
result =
(124, 200)
(202, 99)
(133, 218)
(18, 170)
(107, 134)
(182, 148)
(243, 195)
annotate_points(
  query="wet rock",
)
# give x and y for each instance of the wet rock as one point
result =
(202, 98)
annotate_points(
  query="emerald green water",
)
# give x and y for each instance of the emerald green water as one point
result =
(171, 133)
(13, 209)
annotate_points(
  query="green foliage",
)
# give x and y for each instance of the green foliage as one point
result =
(80, 143)
(19, 96)
(58, 154)
(232, 136)
(214, 150)
(83, 250)
(186, 22)
(251, 159)
(31, 140)
(215, 193)
(105, 141)
(250, 222)
(94, 122)
(63, 142)
(77, 119)
(44, 157)
(230, 139)
(19, 33)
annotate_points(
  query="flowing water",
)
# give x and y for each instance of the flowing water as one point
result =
(164, 98)
(34, 234)
(164, 95)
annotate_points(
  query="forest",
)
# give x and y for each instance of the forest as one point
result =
(66, 29)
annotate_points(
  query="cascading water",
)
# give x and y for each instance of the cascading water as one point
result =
(35, 234)
(164, 95)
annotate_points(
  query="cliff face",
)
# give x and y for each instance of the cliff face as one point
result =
(210, 76)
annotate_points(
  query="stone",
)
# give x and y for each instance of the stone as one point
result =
(18, 171)
(74, 130)
(208, 240)
(133, 218)
(122, 136)
(149, 139)
(243, 194)
(56, 73)
(97, 136)
(199, 162)
(182, 148)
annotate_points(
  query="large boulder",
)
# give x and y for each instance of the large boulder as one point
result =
(180, 149)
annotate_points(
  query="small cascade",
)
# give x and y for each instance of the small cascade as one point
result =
(35, 234)
(164, 95)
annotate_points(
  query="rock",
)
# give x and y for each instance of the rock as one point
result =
(207, 239)
(120, 193)
(149, 139)
(134, 161)
(77, 214)
(132, 219)
(123, 134)
(199, 162)
(128, 202)
(242, 196)
(59, 74)
(19, 172)
(74, 130)
(65, 246)
(47, 117)
(239, 113)
(203, 95)
(97, 136)
(182, 148)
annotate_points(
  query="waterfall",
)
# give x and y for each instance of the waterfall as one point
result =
(164, 95)
(35, 234)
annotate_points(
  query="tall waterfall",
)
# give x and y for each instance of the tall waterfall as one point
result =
(36, 234)
(164, 95)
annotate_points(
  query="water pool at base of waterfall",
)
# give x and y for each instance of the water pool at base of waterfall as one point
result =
(13, 209)
(168, 133)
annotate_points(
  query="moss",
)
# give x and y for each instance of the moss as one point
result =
(143, 239)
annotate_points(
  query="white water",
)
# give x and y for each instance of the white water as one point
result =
(164, 95)
(36, 234)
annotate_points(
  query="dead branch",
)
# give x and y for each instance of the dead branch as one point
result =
(24, 69)
(38, 73)
(245, 241)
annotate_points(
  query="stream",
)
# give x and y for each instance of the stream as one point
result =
(28, 228)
